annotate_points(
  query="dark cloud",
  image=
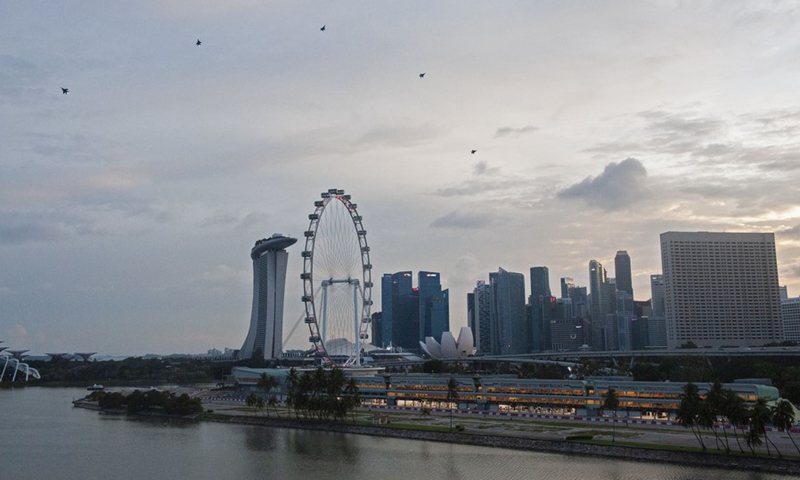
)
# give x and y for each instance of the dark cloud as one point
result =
(18, 228)
(514, 132)
(468, 220)
(619, 185)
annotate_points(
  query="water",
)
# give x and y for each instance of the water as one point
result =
(43, 436)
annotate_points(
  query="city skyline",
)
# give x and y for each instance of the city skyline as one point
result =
(127, 202)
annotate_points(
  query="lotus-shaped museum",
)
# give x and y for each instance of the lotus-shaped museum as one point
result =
(450, 347)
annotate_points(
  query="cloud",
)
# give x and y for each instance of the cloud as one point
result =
(397, 136)
(620, 185)
(468, 220)
(514, 132)
(483, 168)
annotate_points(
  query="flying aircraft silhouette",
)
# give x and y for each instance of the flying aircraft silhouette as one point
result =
(322, 29)
(421, 74)
(473, 151)
(64, 90)
(198, 42)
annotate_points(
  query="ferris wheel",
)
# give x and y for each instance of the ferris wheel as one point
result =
(337, 280)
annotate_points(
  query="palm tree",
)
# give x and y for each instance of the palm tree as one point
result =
(611, 402)
(452, 396)
(736, 413)
(783, 418)
(758, 422)
(753, 439)
(292, 384)
(714, 403)
(351, 389)
(267, 382)
(689, 409)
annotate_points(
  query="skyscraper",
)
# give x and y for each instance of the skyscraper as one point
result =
(566, 284)
(509, 328)
(434, 306)
(622, 272)
(721, 289)
(479, 309)
(541, 307)
(400, 310)
(657, 322)
(599, 309)
(265, 337)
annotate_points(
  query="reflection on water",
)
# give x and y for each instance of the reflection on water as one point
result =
(75, 443)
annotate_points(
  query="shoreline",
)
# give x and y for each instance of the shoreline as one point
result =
(640, 454)
(643, 453)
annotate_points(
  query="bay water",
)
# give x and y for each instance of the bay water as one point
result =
(43, 436)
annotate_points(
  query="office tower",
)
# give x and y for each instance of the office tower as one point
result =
(509, 326)
(479, 309)
(566, 330)
(400, 309)
(640, 328)
(386, 310)
(657, 321)
(721, 289)
(784, 292)
(580, 301)
(376, 334)
(542, 304)
(265, 338)
(622, 272)
(790, 312)
(566, 284)
(599, 308)
(434, 306)
(625, 317)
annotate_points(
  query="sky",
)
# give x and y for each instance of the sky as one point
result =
(128, 207)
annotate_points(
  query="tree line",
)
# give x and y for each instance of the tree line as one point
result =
(148, 400)
(721, 406)
(322, 394)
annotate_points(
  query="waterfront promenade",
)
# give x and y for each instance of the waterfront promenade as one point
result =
(643, 440)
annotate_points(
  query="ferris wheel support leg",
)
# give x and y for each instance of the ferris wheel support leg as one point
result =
(357, 359)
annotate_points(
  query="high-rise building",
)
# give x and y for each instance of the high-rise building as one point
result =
(265, 337)
(542, 305)
(510, 334)
(400, 310)
(434, 306)
(622, 272)
(721, 289)
(599, 308)
(790, 312)
(566, 284)
(479, 310)
(657, 320)
(625, 318)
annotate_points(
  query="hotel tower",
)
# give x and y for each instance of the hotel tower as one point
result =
(265, 337)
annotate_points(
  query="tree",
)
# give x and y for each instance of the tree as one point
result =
(783, 418)
(611, 402)
(713, 407)
(292, 384)
(452, 396)
(354, 400)
(252, 402)
(759, 418)
(267, 382)
(689, 409)
(734, 410)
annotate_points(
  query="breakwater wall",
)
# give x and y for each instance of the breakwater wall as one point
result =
(713, 460)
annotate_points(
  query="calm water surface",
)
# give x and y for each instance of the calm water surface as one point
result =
(43, 437)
